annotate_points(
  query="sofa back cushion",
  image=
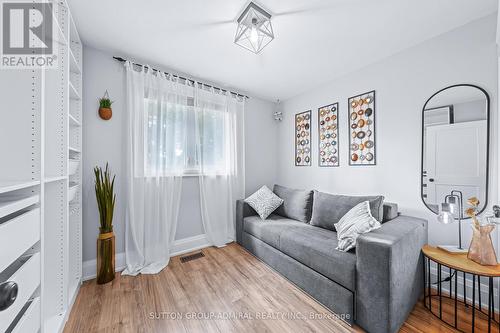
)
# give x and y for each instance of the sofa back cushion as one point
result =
(390, 211)
(328, 209)
(297, 204)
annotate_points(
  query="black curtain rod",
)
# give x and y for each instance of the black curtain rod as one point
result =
(183, 78)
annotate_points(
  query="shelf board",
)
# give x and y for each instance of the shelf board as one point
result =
(73, 64)
(74, 150)
(54, 179)
(9, 186)
(72, 92)
(13, 205)
(73, 122)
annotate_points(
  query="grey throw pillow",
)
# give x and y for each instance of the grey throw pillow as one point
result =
(264, 202)
(297, 204)
(328, 209)
(357, 221)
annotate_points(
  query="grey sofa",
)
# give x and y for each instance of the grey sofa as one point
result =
(376, 285)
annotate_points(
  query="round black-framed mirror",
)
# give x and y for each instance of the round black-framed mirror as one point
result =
(455, 146)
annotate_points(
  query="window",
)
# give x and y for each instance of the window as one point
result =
(183, 139)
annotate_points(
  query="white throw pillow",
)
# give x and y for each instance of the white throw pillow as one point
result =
(357, 221)
(264, 202)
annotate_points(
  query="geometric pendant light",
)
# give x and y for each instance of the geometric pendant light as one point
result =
(254, 30)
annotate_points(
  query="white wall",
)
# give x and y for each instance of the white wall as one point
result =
(104, 142)
(403, 83)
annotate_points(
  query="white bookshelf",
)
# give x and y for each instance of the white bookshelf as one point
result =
(40, 131)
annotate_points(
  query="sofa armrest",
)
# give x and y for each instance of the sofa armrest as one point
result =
(242, 210)
(389, 273)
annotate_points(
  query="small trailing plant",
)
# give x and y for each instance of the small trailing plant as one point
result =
(104, 192)
(105, 102)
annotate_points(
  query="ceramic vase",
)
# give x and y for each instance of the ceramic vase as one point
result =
(481, 248)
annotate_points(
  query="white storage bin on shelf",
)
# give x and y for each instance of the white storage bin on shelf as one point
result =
(25, 272)
(10, 186)
(11, 205)
(73, 166)
(73, 189)
(17, 235)
(30, 319)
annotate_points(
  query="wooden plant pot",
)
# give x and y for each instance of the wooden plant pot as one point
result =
(105, 257)
(105, 113)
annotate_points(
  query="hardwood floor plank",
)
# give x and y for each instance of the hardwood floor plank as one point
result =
(231, 291)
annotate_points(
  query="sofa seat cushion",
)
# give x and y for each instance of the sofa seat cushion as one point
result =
(315, 248)
(270, 230)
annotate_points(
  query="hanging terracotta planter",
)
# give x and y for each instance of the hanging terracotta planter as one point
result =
(105, 111)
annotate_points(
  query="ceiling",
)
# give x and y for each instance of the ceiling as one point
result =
(316, 40)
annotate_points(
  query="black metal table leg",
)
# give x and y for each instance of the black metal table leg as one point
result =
(492, 300)
(439, 292)
(429, 283)
(490, 297)
(456, 292)
(425, 288)
(479, 290)
(451, 290)
(465, 292)
(473, 302)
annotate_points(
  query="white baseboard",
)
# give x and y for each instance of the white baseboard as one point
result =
(179, 247)
(189, 244)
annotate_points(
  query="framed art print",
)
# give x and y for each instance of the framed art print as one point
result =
(362, 144)
(328, 135)
(303, 138)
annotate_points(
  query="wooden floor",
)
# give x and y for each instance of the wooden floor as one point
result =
(228, 290)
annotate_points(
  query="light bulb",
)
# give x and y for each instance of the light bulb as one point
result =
(254, 36)
(445, 218)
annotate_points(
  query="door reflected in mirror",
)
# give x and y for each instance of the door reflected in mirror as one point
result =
(455, 144)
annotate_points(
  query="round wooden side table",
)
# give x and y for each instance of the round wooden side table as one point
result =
(459, 266)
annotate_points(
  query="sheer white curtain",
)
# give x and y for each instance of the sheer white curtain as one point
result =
(220, 151)
(156, 139)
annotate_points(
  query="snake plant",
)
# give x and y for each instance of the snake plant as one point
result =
(104, 191)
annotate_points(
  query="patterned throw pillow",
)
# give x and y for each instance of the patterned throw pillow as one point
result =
(357, 221)
(264, 202)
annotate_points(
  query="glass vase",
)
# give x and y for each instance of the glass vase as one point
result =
(481, 248)
(105, 257)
